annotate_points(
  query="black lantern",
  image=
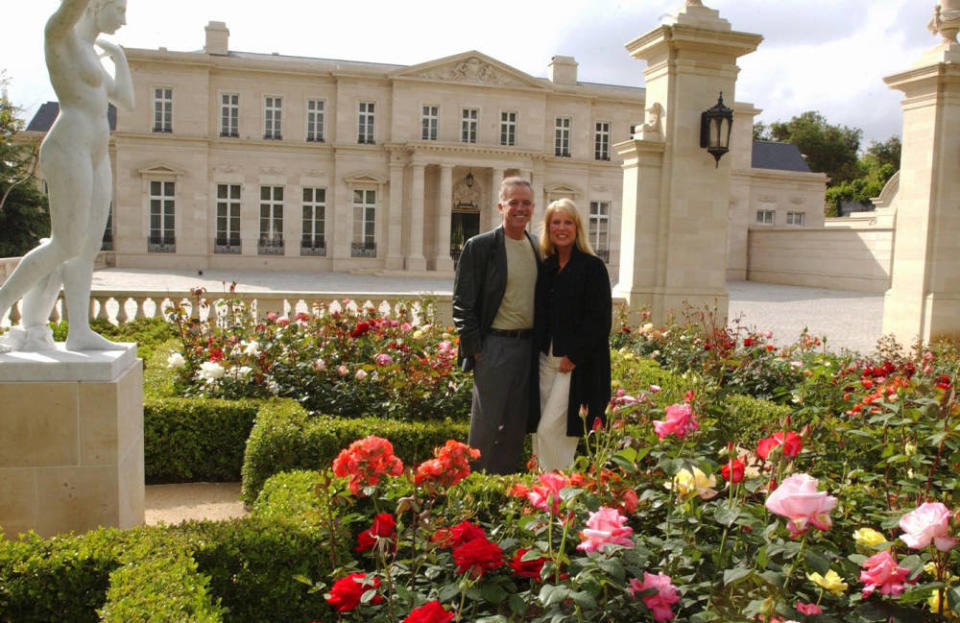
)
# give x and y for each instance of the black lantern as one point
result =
(715, 126)
(469, 179)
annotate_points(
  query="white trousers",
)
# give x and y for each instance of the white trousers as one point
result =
(554, 449)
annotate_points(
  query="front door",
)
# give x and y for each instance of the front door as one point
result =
(464, 224)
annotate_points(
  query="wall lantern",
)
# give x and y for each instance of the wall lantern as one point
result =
(715, 126)
(469, 179)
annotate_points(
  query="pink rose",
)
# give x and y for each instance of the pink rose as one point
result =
(342, 370)
(882, 571)
(679, 421)
(383, 359)
(660, 602)
(548, 488)
(361, 374)
(929, 522)
(798, 500)
(605, 527)
(803, 608)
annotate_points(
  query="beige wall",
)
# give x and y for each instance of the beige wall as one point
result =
(839, 259)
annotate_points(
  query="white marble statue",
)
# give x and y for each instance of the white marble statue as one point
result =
(76, 166)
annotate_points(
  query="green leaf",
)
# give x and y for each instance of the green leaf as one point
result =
(448, 592)
(735, 575)
(585, 600)
(727, 515)
(493, 593)
(613, 567)
(551, 594)
(816, 561)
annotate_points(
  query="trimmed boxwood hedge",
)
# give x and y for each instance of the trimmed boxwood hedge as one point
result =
(285, 437)
(195, 439)
(747, 419)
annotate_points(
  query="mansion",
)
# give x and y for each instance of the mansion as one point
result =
(251, 161)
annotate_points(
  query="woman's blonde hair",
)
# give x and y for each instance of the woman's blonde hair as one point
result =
(568, 208)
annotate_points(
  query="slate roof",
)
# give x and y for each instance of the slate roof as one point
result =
(780, 156)
(48, 112)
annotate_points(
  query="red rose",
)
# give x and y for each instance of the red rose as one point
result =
(458, 535)
(792, 444)
(384, 526)
(477, 557)
(362, 328)
(526, 568)
(430, 612)
(733, 470)
(346, 592)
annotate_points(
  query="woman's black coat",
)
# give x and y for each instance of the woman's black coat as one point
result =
(574, 309)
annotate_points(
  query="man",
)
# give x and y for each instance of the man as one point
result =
(493, 297)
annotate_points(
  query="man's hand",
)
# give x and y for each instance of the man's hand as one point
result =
(566, 365)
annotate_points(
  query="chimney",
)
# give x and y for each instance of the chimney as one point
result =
(563, 70)
(217, 38)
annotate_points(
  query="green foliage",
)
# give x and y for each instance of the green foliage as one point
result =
(24, 215)
(285, 437)
(746, 419)
(160, 589)
(196, 439)
(831, 149)
(875, 168)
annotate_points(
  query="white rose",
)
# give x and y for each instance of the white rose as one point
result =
(251, 348)
(176, 360)
(211, 371)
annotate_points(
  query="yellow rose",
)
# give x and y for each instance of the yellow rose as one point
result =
(832, 582)
(697, 482)
(934, 603)
(868, 537)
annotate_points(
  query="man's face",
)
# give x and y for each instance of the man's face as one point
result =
(516, 208)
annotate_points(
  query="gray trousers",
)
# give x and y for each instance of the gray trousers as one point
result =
(501, 403)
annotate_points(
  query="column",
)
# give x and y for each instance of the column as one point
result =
(395, 219)
(493, 218)
(443, 261)
(691, 58)
(415, 259)
(924, 296)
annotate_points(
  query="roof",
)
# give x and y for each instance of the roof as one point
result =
(48, 112)
(780, 156)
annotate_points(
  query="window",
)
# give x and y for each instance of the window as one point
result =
(468, 125)
(228, 219)
(428, 123)
(601, 142)
(313, 241)
(229, 114)
(364, 224)
(766, 217)
(162, 217)
(272, 117)
(508, 128)
(562, 137)
(365, 123)
(796, 218)
(599, 228)
(163, 110)
(271, 220)
(314, 121)
(106, 243)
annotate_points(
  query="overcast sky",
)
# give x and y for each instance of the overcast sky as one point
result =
(824, 55)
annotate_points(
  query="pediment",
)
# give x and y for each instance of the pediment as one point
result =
(161, 169)
(471, 68)
(563, 189)
(364, 177)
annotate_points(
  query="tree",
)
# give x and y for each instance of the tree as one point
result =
(24, 214)
(830, 149)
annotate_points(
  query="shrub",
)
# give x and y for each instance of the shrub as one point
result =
(196, 439)
(285, 437)
(745, 419)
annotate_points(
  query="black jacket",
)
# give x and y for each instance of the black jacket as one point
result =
(478, 290)
(574, 309)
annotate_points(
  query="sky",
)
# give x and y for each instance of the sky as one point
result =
(824, 55)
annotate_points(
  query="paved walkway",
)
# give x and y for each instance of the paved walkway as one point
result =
(848, 319)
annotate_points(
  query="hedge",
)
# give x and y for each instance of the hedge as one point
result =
(747, 419)
(195, 439)
(285, 437)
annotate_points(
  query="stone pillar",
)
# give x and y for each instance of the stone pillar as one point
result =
(443, 261)
(71, 441)
(415, 259)
(395, 218)
(540, 202)
(675, 200)
(924, 296)
(491, 212)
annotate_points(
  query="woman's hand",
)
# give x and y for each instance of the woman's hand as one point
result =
(114, 51)
(566, 365)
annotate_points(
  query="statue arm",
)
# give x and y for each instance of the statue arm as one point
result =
(65, 18)
(119, 86)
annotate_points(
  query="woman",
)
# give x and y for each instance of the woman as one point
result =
(76, 166)
(573, 314)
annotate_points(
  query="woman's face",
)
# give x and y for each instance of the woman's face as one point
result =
(111, 16)
(563, 229)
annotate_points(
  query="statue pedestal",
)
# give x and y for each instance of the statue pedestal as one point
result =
(71, 441)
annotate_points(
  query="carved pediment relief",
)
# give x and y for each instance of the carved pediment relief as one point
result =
(562, 190)
(470, 67)
(161, 169)
(364, 177)
(464, 195)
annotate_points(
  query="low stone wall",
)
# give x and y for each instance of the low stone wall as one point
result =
(855, 259)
